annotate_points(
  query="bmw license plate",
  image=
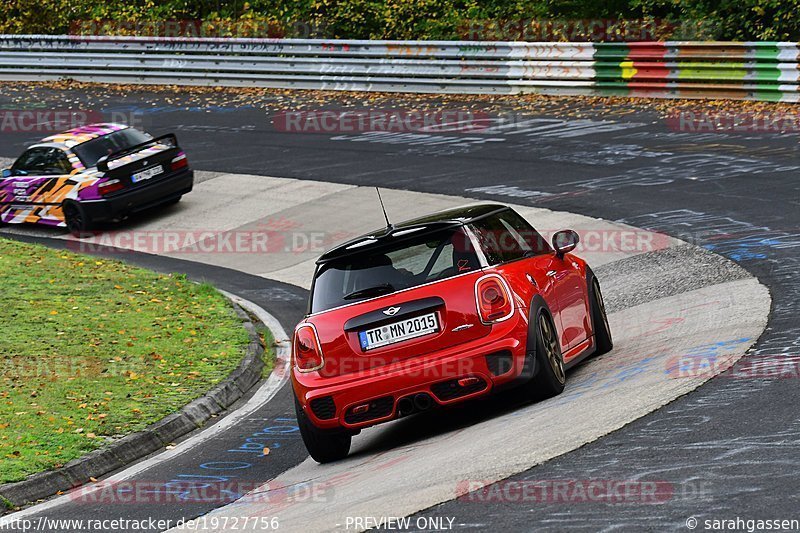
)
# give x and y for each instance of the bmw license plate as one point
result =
(147, 174)
(404, 330)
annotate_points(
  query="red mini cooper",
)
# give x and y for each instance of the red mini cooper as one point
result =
(435, 311)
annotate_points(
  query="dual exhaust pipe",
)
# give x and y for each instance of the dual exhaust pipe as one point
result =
(412, 404)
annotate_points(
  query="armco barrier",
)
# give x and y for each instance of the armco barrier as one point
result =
(746, 70)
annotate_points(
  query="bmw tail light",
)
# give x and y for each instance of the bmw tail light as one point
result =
(110, 186)
(493, 298)
(179, 162)
(307, 351)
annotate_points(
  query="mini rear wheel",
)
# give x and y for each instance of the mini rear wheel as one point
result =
(550, 377)
(323, 446)
(78, 222)
(602, 331)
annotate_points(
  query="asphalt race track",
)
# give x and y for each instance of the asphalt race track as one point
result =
(720, 451)
(656, 317)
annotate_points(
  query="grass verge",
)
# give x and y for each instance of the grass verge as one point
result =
(268, 340)
(92, 349)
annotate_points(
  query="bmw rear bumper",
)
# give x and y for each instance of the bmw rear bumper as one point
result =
(140, 198)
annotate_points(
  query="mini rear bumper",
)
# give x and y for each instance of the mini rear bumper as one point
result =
(140, 198)
(450, 376)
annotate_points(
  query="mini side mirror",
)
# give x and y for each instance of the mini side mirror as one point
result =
(565, 241)
(102, 164)
(6, 173)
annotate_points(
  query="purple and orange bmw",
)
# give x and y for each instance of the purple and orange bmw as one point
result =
(93, 174)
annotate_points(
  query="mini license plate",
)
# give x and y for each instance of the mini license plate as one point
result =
(147, 174)
(404, 330)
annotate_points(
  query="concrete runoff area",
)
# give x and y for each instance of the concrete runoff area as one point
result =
(298, 219)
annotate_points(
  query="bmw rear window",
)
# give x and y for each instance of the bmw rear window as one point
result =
(90, 152)
(403, 262)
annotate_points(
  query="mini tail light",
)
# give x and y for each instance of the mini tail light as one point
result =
(179, 162)
(493, 298)
(110, 186)
(307, 351)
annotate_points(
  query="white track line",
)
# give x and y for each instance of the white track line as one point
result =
(277, 379)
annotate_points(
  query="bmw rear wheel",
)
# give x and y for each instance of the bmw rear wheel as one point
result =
(78, 223)
(551, 376)
(323, 446)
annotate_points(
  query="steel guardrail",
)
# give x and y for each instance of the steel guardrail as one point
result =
(678, 69)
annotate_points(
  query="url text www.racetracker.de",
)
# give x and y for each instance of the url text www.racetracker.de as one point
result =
(225, 523)
(203, 523)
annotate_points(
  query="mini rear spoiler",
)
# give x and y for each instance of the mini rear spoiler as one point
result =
(102, 163)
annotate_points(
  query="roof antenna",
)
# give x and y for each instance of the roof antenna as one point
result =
(388, 224)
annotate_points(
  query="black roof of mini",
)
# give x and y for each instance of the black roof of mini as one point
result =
(458, 216)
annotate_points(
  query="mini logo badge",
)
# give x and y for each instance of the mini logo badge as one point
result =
(391, 311)
(144, 163)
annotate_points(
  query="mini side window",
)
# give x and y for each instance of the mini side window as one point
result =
(506, 236)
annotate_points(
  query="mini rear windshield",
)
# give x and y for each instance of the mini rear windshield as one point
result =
(380, 270)
(90, 152)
